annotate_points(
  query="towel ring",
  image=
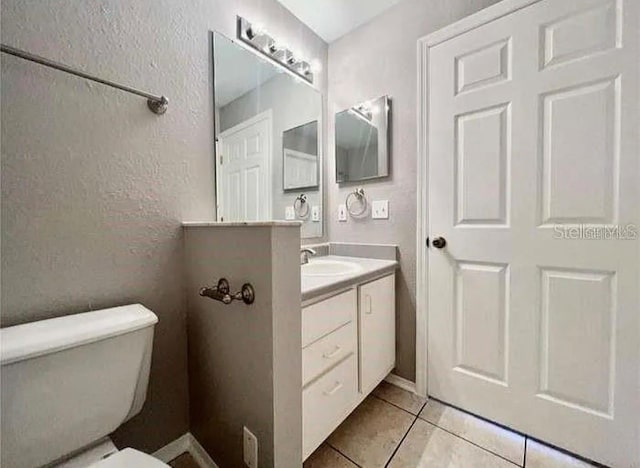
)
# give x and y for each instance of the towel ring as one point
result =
(300, 203)
(361, 198)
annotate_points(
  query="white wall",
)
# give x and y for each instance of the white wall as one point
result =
(94, 186)
(380, 58)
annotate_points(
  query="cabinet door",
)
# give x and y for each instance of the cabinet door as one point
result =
(377, 320)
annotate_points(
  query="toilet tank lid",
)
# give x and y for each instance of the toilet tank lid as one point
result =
(34, 339)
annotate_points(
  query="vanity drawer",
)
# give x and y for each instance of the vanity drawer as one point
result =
(325, 353)
(326, 402)
(323, 317)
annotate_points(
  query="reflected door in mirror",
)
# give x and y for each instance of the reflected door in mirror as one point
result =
(244, 168)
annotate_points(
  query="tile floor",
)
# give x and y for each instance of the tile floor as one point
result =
(396, 428)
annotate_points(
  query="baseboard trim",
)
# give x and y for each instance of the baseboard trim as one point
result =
(401, 382)
(173, 449)
(185, 443)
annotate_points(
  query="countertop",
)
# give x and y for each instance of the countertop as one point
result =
(314, 286)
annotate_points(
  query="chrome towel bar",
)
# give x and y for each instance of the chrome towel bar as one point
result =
(157, 104)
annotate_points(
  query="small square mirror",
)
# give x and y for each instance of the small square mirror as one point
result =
(362, 149)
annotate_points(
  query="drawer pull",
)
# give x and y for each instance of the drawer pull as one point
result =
(332, 354)
(337, 387)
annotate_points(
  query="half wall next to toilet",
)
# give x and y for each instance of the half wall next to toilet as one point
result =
(245, 365)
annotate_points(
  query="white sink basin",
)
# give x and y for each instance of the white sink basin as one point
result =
(321, 267)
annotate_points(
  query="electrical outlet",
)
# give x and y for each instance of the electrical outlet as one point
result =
(380, 209)
(342, 212)
(289, 213)
(250, 448)
(315, 214)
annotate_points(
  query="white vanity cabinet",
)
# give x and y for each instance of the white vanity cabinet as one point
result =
(377, 325)
(348, 347)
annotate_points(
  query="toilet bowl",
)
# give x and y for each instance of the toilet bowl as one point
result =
(69, 382)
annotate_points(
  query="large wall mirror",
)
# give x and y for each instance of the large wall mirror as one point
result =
(268, 140)
(362, 146)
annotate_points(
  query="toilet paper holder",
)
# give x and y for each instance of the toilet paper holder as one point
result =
(222, 293)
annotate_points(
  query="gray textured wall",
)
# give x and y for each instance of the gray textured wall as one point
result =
(380, 58)
(94, 186)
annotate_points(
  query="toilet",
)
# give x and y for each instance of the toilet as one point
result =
(69, 382)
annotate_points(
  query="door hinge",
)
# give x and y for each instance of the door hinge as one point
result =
(427, 242)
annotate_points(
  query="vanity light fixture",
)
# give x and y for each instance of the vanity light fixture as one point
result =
(259, 39)
(363, 112)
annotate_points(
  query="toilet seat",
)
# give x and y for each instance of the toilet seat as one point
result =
(128, 458)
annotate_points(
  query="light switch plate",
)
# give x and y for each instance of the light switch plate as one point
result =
(315, 214)
(289, 213)
(380, 209)
(342, 212)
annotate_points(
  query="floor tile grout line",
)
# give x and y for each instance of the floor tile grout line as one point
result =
(397, 406)
(417, 416)
(395, 451)
(477, 416)
(344, 455)
(469, 441)
(525, 436)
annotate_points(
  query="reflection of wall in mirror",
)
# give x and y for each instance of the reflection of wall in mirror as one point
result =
(358, 137)
(357, 147)
(292, 104)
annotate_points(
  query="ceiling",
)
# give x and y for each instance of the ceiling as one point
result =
(331, 19)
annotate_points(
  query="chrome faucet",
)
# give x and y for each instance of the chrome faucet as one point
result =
(304, 255)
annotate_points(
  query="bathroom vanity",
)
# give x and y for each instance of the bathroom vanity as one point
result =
(348, 338)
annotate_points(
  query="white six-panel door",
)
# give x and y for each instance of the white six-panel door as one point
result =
(244, 170)
(533, 149)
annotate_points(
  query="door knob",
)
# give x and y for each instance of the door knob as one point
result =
(439, 242)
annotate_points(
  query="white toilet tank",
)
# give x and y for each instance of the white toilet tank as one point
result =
(69, 381)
